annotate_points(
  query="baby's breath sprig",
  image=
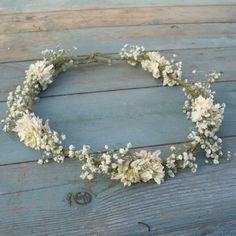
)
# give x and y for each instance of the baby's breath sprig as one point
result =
(123, 164)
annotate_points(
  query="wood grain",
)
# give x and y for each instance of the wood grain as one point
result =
(112, 17)
(45, 5)
(188, 201)
(98, 77)
(148, 116)
(27, 46)
(209, 229)
(39, 200)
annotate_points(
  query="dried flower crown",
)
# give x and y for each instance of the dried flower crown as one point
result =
(122, 164)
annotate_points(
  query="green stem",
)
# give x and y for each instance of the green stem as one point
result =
(97, 57)
(185, 85)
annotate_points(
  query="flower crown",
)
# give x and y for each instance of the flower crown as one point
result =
(122, 164)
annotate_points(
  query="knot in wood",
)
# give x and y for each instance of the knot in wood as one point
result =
(82, 198)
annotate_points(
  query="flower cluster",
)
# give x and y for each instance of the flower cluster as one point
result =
(207, 118)
(180, 161)
(144, 167)
(124, 164)
(22, 121)
(121, 165)
(161, 68)
(133, 54)
(59, 58)
(35, 134)
(37, 78)
(154, 62)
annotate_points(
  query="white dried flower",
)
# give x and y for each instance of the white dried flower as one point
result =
(29, 128)
(131, 53)
(129, 145)
(200, 108)
(122, 151)
(42, 72)
(63, 136)
(72, 147)
(40, 161)
(161, 68)
(145, 166)
(90, 176)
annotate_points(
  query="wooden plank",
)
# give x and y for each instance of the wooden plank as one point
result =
(74, 19)
(29, 176)
(148, 116)
(189, 201)
(45, 5)
(208, 228)
(27, 46)
(34, 199)
(97, 77)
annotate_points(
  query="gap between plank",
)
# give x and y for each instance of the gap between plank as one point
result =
(115, 90)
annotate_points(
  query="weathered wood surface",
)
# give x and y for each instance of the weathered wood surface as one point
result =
(45, 5)
(27, 46)
(191, 204)
(72, 19)
(100, 104)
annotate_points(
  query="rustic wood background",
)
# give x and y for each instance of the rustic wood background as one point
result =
(100, 104)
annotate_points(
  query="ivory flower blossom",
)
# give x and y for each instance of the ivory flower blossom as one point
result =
(201, 106)
(29, 128)
(42, 72)
(145, 167)
(161, 68)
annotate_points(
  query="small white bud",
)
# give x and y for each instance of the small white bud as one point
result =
(113, 165)
(40, 161)
(63, 136)
(120, 161)
(129, 145)
(121, 150)
(90, 177)
(71, 147)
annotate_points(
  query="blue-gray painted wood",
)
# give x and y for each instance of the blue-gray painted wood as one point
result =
(114, 17)
(204, 201)
(98, 77)
(28, 46)
(34, 199)
(148, 116)
(45, 5)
